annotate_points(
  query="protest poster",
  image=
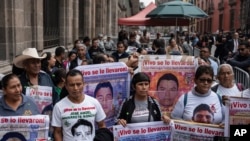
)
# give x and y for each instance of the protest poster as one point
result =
(191, 131)
(237, 112)
(24, 128)
(171, 76)
(150, 131)
(42, 95)
(109, 83)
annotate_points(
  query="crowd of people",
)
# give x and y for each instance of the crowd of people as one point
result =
(56, 70)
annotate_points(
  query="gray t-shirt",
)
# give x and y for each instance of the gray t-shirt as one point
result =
(27, 107)
(141, 112)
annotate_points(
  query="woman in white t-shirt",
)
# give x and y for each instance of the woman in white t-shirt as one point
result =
(227, 86)
(187, 104)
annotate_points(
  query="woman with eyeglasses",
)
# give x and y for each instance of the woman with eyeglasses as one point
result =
(200, 94)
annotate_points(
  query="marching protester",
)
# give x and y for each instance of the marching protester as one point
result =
(14, 102)
(173, 48)
(81, 58)
(48, 63)
(162, 41)
(109, 44)
(227, 85)
(206, 59)
(30, 61)
(140, 107)
(242, 59)
(94, 49)
(121, 51)
(200, 94)
(71, 56)
(144, 39)
(59, 56)
(132, 40)
(76, 103)
(101, 42)
(156, 46)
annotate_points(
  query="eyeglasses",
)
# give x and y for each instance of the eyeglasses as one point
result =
(203, 80)
(241, 49)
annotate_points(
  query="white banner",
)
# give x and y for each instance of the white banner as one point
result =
(147, 131)
(42, 95)
(25, 128)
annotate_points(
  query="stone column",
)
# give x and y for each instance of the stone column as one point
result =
(98, 17)
(65, 22)
(87, 17)
(109, 17)
(114, 19)
(37, 24)
(93, 19)
(75, 20)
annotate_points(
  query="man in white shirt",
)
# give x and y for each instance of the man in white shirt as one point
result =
(77, 106)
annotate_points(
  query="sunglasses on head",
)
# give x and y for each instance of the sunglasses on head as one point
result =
(203, 80)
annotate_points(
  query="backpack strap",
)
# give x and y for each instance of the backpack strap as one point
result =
(215, 88)
(220, 99)
(185, 100)
(154, 106)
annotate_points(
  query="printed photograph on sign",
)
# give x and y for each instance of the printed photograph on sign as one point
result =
(110, 94)
(171, 76)
(168, 86)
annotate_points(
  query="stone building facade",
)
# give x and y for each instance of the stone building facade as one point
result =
(49, 23)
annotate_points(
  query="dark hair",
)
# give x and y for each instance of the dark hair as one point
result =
(103, 85)
(45, 63)
(81, 122)
(99, 58)
(170, 40)
(94, 39)
(16, 70)
(58, 75)
(7, 78)
(139, 77)
(244, 43)
(202, 107)
(10, 135)
(71, 53)
(86, 39)
(132, 35)
(168, 76)
(112, 56)
(203, 47)
(59, 51)
(204, 70)
(121, 42)
(74, 72)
